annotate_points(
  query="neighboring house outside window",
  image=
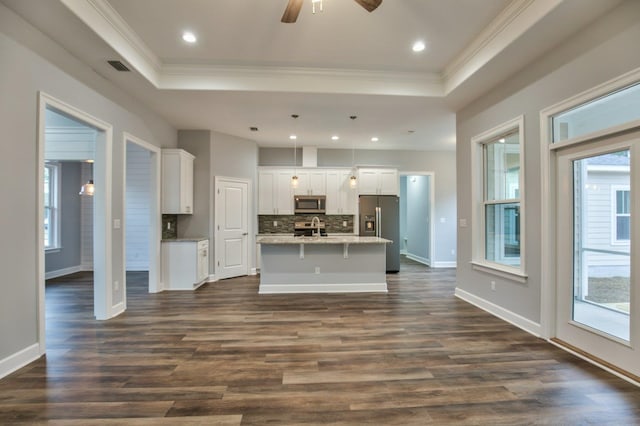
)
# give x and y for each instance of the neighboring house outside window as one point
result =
(498, 193)
(620, 214)
(51, 206)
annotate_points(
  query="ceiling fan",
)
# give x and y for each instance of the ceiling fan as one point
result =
(290, 14)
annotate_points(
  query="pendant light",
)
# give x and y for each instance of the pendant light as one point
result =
(294, 178)
(353, 181)
(87, 189)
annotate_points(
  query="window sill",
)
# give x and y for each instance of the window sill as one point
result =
(52, 250)
(503, 271)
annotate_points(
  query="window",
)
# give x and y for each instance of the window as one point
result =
(51, 206)
(620, 214)
(498, 214)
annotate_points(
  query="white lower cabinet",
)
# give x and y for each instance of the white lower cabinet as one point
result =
(185, 264)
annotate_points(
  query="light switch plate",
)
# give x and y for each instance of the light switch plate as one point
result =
(116, 223)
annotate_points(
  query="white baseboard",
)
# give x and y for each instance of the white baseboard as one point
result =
(212, 278)
(323, 288)
(254, 271)
(418, 259)
(403, 252)
(62, 272)
(118, 309)
(19, 359)
(500, 312)
(443, 264)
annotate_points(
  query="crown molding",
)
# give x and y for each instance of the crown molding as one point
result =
(515, 20)
(103, 19)
(304, 80)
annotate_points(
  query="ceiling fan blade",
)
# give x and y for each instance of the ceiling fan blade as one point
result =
(292, 11)
(370, 5)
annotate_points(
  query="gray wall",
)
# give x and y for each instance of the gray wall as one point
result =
(441, 163)
(418, 206)
(217, 154)
(68, 255)
(30, 62)
(608, 48)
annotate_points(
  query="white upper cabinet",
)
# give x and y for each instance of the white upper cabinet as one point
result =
(177, 181)
(311, 182)
(378, 182)
(341, 198)
(275, 195)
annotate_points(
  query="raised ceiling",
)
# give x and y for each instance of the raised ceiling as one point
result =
(249, 69)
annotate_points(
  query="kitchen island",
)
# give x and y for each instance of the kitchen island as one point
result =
(333, 264)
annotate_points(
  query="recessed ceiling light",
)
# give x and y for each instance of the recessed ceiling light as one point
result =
(293, 137)
(374, 139)
(335, 137)
(418, 46)
(189, 37)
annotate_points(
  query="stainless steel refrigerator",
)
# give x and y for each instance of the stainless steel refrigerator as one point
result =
(380, 217)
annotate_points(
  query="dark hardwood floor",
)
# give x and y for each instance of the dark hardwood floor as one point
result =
(224, 355)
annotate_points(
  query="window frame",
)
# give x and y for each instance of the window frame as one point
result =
(54, 169)
(479, 238)
(614, 215)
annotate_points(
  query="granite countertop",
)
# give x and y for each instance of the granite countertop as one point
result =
(332, 239)
(184, 239)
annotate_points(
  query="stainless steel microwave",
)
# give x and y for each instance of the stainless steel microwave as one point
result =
(309, 203)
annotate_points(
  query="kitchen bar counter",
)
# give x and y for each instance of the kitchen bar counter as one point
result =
(333, 264)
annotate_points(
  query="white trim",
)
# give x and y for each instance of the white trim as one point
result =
(102, 213)
(250, 234)
(432, 210)
(478, 211)
(499, 270)
(323, 288)
(418, 259)
(254, 271)
(445, 264)
(155, 214)
(594, 362)
(511, 23)
(62, 272)
(500, 312)
(19, 359)
(548, 149)
(119, 308)
(212, 278)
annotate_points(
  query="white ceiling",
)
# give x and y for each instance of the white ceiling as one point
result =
(249, 69)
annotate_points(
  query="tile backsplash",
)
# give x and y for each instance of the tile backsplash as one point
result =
(333, 223)
(169, 221)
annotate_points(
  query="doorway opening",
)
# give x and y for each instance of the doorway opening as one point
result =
(69, 135)
(142, 213)
(416, 217)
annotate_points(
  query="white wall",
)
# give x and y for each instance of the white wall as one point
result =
(24, 72)
(138, 200)
(418, 221)
(604, 50)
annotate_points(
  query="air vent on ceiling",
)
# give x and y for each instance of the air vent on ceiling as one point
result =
(119, 66)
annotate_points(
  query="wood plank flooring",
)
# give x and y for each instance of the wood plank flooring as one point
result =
(224, 355)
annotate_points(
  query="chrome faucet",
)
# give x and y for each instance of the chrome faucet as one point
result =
(314, 220)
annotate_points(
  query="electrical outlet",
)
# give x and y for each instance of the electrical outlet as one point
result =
(344, 223)
(493, 285)
(317, 269)
(168, 226)
(453, 251)
(275, 223)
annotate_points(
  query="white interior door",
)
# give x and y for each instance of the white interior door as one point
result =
(232, 228)
(597, 273)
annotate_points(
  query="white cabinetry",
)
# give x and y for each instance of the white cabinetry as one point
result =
(311, 182)
(275, 195)
(185, 264)
(177, 181)
(378, 182)
(341, 198)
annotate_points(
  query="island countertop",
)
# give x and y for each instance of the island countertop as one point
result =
(337, 239)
